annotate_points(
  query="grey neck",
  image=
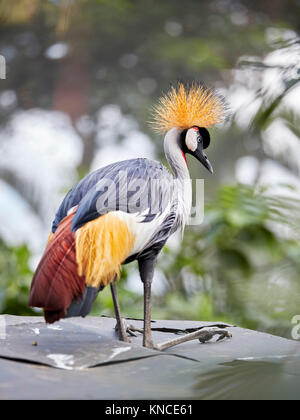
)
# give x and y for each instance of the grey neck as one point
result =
(174, 154)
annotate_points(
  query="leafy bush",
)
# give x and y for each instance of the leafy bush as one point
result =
(246, 257)
(15, 279)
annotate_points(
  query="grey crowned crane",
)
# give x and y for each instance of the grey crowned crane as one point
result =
(126, 211)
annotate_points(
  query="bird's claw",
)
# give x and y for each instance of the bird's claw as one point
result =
(207, 335)
(129, 329)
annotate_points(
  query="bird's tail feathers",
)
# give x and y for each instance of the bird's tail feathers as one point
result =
(76, 266)
(56, 282)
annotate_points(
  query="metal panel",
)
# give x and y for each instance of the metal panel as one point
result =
(92, 364)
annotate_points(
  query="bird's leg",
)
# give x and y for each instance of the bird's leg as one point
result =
(121, 325)
(146, 267)
(147, 340)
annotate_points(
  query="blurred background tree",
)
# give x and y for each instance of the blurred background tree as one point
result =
(82, 76)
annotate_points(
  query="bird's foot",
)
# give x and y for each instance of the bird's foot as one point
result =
(202, 335)
(131, 330)
(126, 330)
(207, 335)
(148, 343)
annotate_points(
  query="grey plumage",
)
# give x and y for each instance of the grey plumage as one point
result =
(149, 191)
(144, 189)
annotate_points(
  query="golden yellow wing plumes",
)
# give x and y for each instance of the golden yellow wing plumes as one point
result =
(184, 106)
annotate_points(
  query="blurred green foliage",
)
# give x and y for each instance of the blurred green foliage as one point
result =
(15, 278)
(239, 265)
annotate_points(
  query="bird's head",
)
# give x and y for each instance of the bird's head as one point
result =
(194, 141)
(191, 109)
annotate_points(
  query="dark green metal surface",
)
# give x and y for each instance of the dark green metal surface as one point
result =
(82, 359)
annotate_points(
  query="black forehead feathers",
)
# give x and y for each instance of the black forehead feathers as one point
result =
(205, 136)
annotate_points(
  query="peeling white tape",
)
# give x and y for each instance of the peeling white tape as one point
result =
(36, 331)
(54, 327)
(62, 361)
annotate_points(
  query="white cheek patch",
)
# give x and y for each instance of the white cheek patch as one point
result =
(191, 139)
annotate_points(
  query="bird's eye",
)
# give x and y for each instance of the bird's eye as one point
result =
(205, 137)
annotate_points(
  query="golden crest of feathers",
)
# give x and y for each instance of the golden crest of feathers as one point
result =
(185, 106)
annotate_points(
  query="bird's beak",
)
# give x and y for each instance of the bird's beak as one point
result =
(201, 156)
